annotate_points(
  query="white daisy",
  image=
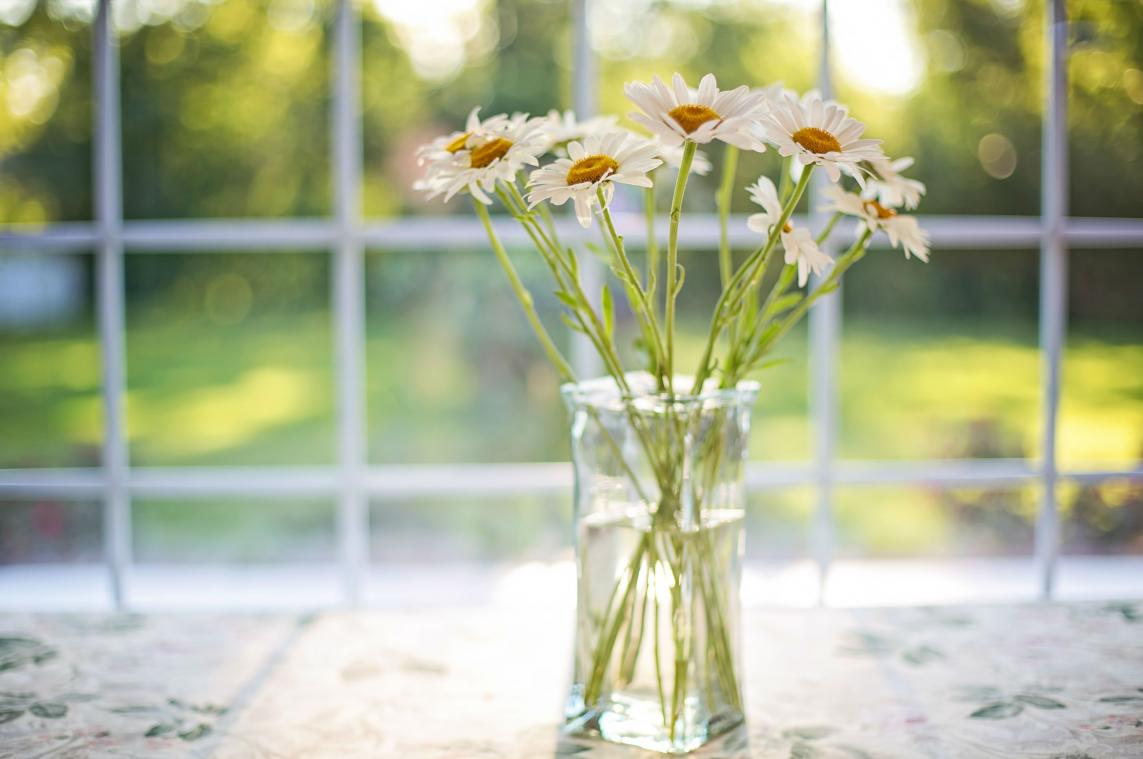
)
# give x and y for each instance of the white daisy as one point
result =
(891, 188)
(797, 241)
(672, 155)
(904, 232)
(491, 151)
(598, 162)
(819, 132)
(562, 128)
(679, 113)
(446, 147)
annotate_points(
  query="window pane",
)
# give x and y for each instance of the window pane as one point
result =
(45, 111)
(229, 359)
(50, 410)
(50, 531)
(514, 550)
(425, 67)
(778, 523)
(1105, 117)
(232, 531)
(225, 108)
(941, 360)
(1101, 405)
(454, 371)
(958, 86)
(1102, 531)
(918, 545)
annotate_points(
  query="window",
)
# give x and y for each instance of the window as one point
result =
(252, 160)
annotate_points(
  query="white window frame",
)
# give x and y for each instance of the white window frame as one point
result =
(353, 482)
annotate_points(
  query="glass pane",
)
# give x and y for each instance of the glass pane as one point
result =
(425, 66)
(1102, 532)
(229, 360)
(454, 371)
(958, 86)
(1101, 404)
(233, 531)
(507, 550)
(1105, 117)
(45, 111)
(778, 523)
(225, 108)
(885, 522)
(941, 360)
(50, 531)
(50, 410)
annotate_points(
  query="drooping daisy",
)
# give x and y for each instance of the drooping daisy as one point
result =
(680, 113)
(446, 147)
(904, 232)
(672, 155)
(597, 163)
(562, 128)
(819, 132)
(495, 150)
(797, 241)
(891, 188)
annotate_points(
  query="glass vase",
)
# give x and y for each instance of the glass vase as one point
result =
(659, 540)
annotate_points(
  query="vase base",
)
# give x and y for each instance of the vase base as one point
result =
(626, 723)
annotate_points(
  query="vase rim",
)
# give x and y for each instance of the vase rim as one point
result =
(604, 392)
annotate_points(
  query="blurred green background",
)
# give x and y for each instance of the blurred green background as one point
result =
(225, 113)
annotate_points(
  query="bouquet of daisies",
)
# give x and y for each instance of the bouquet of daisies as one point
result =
(529, 165)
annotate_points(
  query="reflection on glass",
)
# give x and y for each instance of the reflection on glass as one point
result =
(225, 108)
(941, 360)
(45, 112)
(46, 530)
(233, 531)
(229, 359)
(881, 522)
(1101, 393)
(50, 412)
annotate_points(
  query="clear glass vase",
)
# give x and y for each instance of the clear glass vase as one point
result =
(659, 540)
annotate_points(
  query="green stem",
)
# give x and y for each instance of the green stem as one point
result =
(745, 279)
(523, 296)
(725, 193)
(652, 242)
(673, 256)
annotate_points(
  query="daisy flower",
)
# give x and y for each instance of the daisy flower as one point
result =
(564, 127)
(819, 132)
(485, 153)
(672, 155)
(446, 147)
(797, 241)
(892, 189)
(903, 231)
(679, 113)
(597, 163)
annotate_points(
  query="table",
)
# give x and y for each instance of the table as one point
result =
(1051, 680)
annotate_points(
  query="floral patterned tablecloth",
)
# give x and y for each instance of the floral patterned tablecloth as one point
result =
(1059, 680)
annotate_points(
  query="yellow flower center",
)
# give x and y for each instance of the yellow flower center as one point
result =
(488, 152)
(458, 144)
(692, 115)
(787, 227)
(591, 169)
(816, 140)
(873, 207)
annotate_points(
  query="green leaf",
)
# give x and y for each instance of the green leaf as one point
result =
(608, 307)
(804, 751)
(1121, 699)
(566, 299)
(159, 729)
(809, 733)
(7, 715)
(784, 303)
(1000, 710)
(196, 732)
(682, 277)
(48, 709)
(571, 323)
(1040, 702)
